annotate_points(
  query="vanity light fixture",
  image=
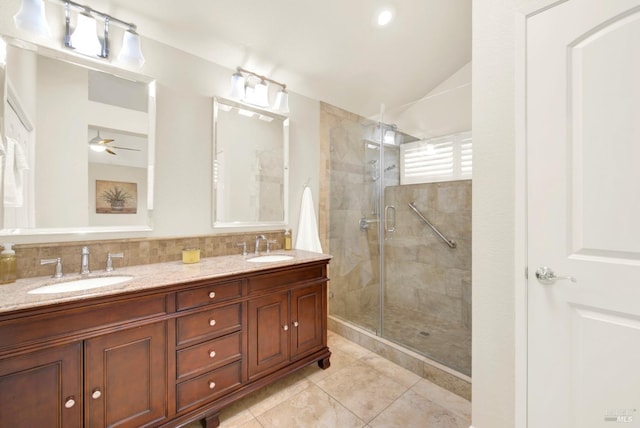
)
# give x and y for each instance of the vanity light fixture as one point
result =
(257, 93)
(85, 37)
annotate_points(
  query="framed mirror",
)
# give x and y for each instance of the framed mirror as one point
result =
(250, 166)
(78, 142)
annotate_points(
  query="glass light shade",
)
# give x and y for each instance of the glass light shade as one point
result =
(282, 102)
(3, 52)
(237, 86)
(261, 94)
(249, 94)
(131, 52)
(85, 37)
(31, 17)
(97, 147)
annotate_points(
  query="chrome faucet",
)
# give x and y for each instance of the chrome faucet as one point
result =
(110, 257)
(58, 262)
(84, 261)
(258, 238)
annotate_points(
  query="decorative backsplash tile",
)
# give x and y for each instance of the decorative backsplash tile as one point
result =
(136, 251)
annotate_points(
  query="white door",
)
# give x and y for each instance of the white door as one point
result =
(583, 160)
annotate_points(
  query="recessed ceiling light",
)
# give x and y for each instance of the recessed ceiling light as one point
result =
(384, 17)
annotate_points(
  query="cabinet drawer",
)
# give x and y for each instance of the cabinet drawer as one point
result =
(208, 324)
(53, 324)
(291, 276)
(208, 294)
(209, 355)
(209, 386)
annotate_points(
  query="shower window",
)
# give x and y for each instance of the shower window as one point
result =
(446, 158)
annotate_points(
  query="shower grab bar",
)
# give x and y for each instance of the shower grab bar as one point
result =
(449, 242)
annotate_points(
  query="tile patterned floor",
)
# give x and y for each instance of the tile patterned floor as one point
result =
(360, 389)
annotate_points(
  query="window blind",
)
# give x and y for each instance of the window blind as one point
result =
(446, 158)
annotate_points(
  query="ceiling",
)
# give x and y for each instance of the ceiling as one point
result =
(330, 50)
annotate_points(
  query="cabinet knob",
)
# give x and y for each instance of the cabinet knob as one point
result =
(212, 322)
(96, 394)
(70, 402)
(212, 294)
(212, 385)
(285, 327)
(295, 323)
(212, 354)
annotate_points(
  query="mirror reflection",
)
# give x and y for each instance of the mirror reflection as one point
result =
(76, 147)
(251, 154)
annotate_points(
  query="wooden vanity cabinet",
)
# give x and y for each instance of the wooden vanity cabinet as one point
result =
(108, 367)
(161, 357)
(126, 377)
(42, 388)
(284, 326)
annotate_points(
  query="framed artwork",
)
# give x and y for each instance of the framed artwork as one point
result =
(116, 197)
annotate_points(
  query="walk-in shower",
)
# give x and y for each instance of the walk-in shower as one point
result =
(401, 266)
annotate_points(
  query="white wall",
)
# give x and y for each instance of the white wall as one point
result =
(499, 295)
(445, 110)
(493, 276)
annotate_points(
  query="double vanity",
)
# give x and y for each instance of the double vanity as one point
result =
(158, 345)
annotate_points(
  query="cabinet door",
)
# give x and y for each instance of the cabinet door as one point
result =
(42, 388)
(126, 377)
(268, 333)
(306, 320)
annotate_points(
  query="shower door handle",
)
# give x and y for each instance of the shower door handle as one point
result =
(388, 209)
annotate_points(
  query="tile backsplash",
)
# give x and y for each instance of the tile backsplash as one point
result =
(136, 251)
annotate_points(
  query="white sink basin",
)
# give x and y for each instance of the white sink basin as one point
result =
(80, 284)
(269, 259)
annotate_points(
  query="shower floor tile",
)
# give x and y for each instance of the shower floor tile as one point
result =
(446, 343)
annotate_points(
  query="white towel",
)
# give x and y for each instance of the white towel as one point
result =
(15, 162)
(307, 237)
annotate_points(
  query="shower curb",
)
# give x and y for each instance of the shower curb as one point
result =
(433, 371)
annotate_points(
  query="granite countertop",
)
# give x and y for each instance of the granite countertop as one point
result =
(15, 296)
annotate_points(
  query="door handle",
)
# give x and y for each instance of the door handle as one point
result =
(547, 276)
(387, 209)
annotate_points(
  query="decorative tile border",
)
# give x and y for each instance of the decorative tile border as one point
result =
(136, 251)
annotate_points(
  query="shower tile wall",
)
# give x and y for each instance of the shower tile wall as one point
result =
(427, 303)
(354, 268)
(428, 284)
(422, 272)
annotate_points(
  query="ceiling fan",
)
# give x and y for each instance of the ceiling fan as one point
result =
(99, 144)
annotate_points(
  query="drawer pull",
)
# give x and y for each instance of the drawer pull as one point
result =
(212, 294)
(285, 327)
(212, 354)
(295, 323)
(96, 394)
(212, 322)
(70, 402)
(212, 385)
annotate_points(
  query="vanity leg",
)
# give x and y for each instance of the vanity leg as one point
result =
(212, 421)
(324, 363)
